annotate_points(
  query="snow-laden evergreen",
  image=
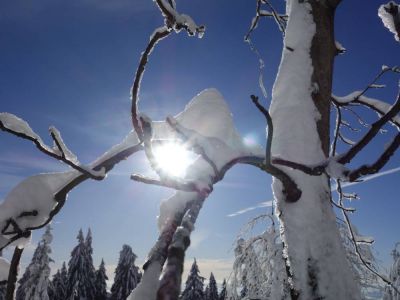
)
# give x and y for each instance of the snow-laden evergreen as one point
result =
(212, 289)
(223, 293)
(3, 289)
(80, 278)
(394, 276)
(101, 282)
(35, 283)
(127, 274)
(194, 284)
(59, 284)
(91, 271)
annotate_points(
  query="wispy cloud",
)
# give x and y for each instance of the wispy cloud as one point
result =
(245, 210)
(373, 176)
(346, 184)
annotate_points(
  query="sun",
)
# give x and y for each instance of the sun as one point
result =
(173, 158)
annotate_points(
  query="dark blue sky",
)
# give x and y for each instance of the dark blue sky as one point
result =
(71, 64)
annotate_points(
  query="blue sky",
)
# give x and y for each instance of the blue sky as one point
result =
(70, 64)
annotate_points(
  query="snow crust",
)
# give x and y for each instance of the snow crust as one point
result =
(148, 286)
(336, 170)
(388, 19)
(208, 121)
(16, 124)
(183, 20)
(36, 193)
(296, 138)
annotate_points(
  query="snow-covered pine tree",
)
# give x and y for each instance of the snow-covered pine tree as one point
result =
(394, 275)
(59, 284)
(194, 284)
(20, 294)
(212, 289)
(206, 292)
(80, 283)
(54, 287)
(127, 274)
(222, 294)
(35, 282)
(3, 289)
(91, 271)
(101, 282)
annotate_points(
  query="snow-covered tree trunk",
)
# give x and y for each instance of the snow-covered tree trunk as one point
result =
(300, 111)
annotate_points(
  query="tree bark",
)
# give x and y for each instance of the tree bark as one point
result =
(300, 111)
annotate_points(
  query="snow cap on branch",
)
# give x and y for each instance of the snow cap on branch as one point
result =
(390, 15)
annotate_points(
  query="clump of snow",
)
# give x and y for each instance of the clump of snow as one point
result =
(207, 122)
(390, 16)
(64, 149)
(18, 125)
(148, 286)
(4, 268)
(34, 195)
(340, 48)
(336, 170)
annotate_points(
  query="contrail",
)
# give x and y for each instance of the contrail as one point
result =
(344, 184)
(242, 211)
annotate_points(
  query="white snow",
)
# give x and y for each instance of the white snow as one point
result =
(340, 47)
(35, 193)
(183, 20)
(208, 122)
(64, 149)
(296, 139)
(148, 286)
(388, 19)
(336, 170)
(16, 124)
(4, 268)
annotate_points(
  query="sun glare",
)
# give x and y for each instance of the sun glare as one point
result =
(173, 158)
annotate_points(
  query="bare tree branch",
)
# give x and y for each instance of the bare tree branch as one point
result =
(290, 188)
(373, 131)
(174, 183)
(158, 35)
(59, 155)
(107, 161)
(379, 163)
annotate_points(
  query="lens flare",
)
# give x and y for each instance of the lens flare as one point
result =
(173, 158)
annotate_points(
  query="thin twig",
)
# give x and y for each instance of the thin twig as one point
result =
(290, 188)
(354, 240)
(46, 150)
(373, 131)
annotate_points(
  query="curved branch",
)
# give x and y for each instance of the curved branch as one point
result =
(61, 156)
(290, 188)
(157, 36)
